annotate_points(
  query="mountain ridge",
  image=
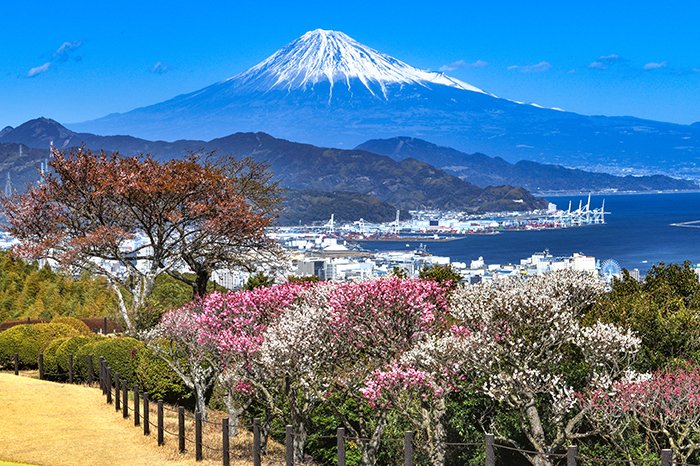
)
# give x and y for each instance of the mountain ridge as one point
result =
(40, 132)
(436, 108)
(406, 184)
(483, 170)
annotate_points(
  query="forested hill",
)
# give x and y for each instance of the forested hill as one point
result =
(406, 184)
(482, 170)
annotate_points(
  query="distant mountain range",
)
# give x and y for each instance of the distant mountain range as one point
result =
(328, 89)
(368, 185)
(483, 170)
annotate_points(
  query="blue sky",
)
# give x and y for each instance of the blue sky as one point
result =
(74, 61)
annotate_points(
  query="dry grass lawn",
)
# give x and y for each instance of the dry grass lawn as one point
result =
(47, 423)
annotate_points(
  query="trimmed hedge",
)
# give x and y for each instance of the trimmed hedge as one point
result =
(51, 369)
(158, 379)
(77, 324)
(119, 352)
(28, 340)
(72, 346)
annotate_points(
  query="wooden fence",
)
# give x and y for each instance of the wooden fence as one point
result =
(138, 405)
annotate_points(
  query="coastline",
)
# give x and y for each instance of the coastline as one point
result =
(546, 194)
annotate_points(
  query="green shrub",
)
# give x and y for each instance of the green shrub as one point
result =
(28, 340)
(81, 359)
(51, 369)
(77, 324)
(120, 353)
(259, 280)
(158, 379)
(444, 274)
(70, 346)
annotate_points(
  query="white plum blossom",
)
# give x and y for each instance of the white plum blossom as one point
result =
(513, 339)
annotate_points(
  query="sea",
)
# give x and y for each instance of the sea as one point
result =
(637, 234)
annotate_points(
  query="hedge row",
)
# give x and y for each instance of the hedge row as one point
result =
(28, 340)
(58, 340)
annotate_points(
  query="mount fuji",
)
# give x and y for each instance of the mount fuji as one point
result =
(327, 89)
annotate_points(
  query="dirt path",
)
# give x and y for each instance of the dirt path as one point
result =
(48, 423)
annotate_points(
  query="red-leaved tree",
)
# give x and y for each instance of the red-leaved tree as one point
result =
(131, 219)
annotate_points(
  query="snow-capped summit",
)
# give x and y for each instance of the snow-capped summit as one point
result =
(334, 57)
(327, 89)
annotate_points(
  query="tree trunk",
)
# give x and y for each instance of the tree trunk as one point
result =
(435, 430)
(265, 430)
(541, 461)
(234, 414)
(122, 308)
(537, 435)
(370, 448)
(299, 438)
(200, 284)
(297, 417)
(201, 402)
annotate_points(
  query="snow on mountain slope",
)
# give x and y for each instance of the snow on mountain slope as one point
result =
(335, 57)
(327, 89)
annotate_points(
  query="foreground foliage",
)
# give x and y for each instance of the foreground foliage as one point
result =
(395, 352)
(542, 362)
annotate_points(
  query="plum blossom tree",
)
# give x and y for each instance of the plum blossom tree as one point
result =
(512, 340)
(293, 358)
(415, 388)
(132, 219)
(233, 325)
(663, 407)
(177, 340)
(371, 325)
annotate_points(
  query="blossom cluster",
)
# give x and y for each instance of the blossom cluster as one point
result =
(405, 344)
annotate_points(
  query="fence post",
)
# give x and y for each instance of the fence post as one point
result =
(198, 436)
(341, 446)
(571, 454)
(257, 460)
(117, 402)
(70, 368)
(225, 442)
(41, 366)
(108, 371)
(181, 428)
(666, 457)
(289, 446)
(490, 453)
(16, 364)
(125, 400)
(104, 325)
(137, 416)
(90, 374)
(102, 374)
(160, 423)
(146, 415)
(408, 448)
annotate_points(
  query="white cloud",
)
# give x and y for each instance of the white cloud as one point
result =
(655, 65)
(37, 70)
(65, 49)
(536, 68)
(159, 68)
(61, 54)
(605, 61)
(464, 64)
